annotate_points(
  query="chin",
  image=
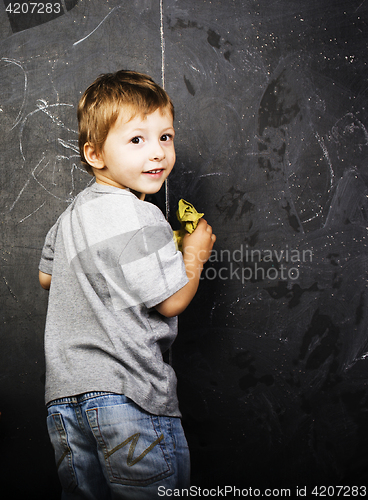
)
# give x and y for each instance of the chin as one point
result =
(153, 190)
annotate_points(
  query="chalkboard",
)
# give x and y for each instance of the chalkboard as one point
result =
(271, 108)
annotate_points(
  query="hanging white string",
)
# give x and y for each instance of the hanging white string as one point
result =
(167, 206)
(162, 44)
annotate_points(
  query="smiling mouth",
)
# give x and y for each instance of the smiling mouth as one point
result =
(156, 171)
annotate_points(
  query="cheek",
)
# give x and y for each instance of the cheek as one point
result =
(172, 156)
(172, 162)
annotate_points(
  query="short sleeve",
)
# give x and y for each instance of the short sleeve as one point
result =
(152, 267)
(47, 255)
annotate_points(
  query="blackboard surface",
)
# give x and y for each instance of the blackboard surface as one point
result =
(271, 117)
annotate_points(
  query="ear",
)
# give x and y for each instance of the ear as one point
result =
(93, 156)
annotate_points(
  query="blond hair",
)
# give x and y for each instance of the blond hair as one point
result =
(101, 103)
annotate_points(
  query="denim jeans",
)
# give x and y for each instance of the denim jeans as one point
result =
(106, 447)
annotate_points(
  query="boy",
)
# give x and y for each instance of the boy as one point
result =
(117, 285)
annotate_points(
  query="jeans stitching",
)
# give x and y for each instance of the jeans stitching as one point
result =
(67, 454)
(134, 440)
(164, 449)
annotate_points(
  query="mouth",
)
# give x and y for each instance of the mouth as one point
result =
(155, 172)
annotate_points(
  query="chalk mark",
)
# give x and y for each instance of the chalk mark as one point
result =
(356, 10)
(69, 145)
(19, 195)
(36, 171)
(213, 173)
(46, 162)
(34, 211)
(43, 106)
(17, 63)
(10, 290)
(93, 31)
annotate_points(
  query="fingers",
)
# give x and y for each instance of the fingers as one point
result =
(209, 230)
(203, 234)
(198, 245)
(203, 225)
(202, 222)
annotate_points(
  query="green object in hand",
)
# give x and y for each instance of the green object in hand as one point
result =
(188, 217)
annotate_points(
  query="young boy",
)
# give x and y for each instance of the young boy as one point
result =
(116, 285)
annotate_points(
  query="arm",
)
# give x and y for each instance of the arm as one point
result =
(45, 280)
(196, 251)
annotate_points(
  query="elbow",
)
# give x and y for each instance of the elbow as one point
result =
(45, 280)
(177, 303)
(169, 310)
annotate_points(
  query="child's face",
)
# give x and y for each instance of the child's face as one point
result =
(138, 154)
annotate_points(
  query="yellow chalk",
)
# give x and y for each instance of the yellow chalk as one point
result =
(188, 217)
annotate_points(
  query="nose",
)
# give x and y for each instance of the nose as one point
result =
(157, 154)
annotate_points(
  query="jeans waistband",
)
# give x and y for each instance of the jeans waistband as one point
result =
(79, 398)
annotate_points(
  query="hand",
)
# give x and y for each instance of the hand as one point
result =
(198, 245)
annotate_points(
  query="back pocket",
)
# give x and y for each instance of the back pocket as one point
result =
(132, 443)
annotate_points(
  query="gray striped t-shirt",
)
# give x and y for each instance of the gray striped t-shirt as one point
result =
(112, 259)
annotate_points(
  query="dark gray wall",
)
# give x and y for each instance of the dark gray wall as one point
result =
(271, 114)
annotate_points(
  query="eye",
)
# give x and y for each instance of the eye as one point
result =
(136, 140)
(166, 137)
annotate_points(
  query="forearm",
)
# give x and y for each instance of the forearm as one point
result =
(196, 251)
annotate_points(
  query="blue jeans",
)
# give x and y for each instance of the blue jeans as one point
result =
(106, 447)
